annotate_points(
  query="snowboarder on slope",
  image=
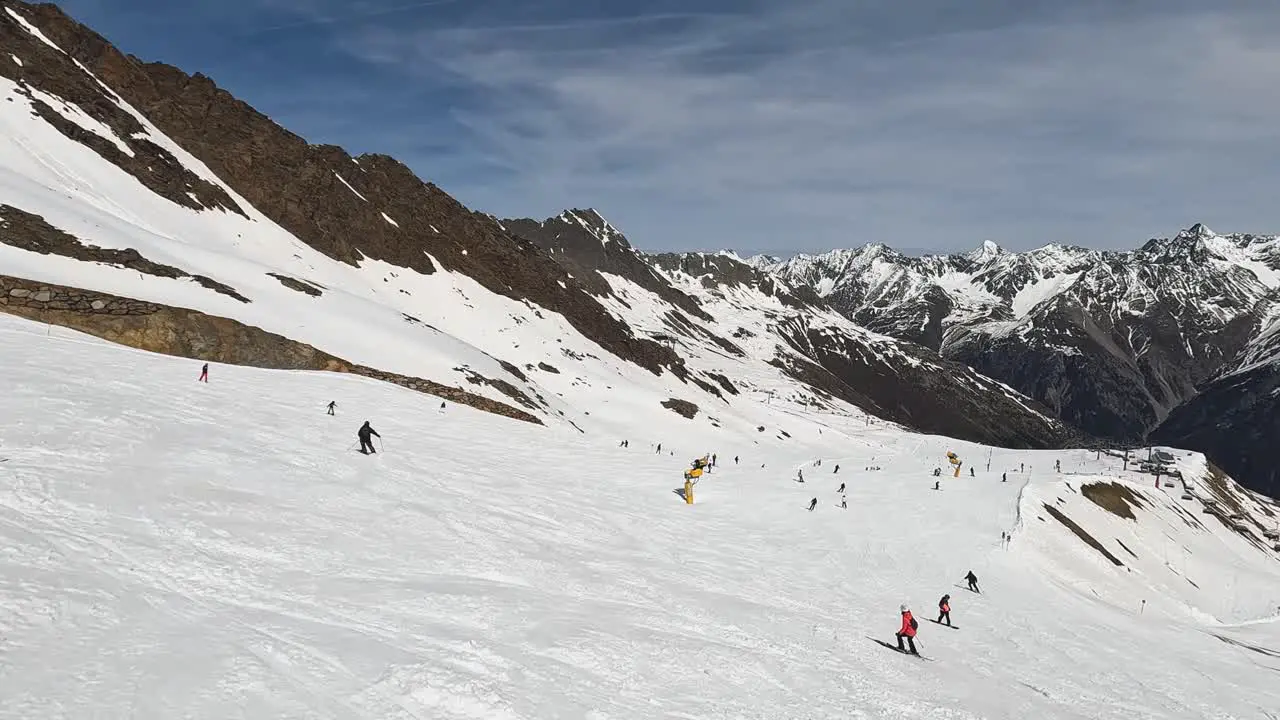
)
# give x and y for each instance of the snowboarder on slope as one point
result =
(204, 373)
(907, 631)
(332, 405)
(973, 581)
(366, 445)
(813, 504)
(944, 610)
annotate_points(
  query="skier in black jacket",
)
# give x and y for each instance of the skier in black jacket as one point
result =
(366, 445)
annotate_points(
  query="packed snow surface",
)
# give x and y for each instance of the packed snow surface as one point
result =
(170, 548)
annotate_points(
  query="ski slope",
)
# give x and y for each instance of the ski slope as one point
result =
(175, 549)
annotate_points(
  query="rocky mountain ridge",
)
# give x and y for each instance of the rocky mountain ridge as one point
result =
(1112, 341)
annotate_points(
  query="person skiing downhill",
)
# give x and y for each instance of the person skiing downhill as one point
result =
(332, 405)
(944, 610)
(971, 471)
(813, 504)
(204, 373)
(366, 445)
(973, 581)
(833, 472)
(907, 631)
(841, 490)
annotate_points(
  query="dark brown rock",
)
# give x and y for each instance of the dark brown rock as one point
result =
(30, 232)
(683, 408)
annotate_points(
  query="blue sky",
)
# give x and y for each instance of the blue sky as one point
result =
(781, 126)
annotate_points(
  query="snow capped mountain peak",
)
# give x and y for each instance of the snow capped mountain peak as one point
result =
(594, 223)
(1199, 230)
(986, 252)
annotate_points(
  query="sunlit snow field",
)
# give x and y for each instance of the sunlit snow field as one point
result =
(175, 549)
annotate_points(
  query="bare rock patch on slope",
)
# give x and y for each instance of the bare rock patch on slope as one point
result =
(26, 231)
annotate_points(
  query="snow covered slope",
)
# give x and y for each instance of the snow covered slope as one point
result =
(176, 549)
(115, 226)
(1111, 341)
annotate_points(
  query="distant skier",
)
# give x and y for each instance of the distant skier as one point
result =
(844, 504)
(1022, 467)
(442, 405)
(799, 475)
(944, 610)
(973, 581)
(204, 373)
(971, 471)
(1004, 477)
(366, 445)
(841, 490)
(659, 450)
(937, 484)
(833, 472)
(813, 504)
(735, 459)
(713, 459)
(1057, 466)
(908, 631)
(332, 405)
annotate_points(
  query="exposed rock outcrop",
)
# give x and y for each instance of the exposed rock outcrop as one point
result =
(191, 334)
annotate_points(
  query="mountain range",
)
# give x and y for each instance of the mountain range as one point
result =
(153, 208)
(1175, 341)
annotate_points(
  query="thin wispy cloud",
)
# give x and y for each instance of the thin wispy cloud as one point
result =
(318, 13)
(780, 126)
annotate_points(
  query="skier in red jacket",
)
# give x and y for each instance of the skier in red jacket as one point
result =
(908, 631)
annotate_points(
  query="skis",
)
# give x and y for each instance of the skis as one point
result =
(897, 650)
(935, 622)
